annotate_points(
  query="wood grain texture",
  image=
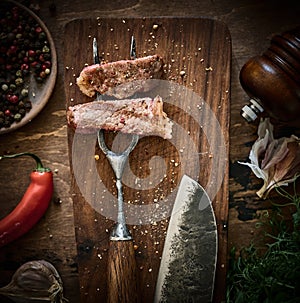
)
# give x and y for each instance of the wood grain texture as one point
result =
(251, 25)
(202, 49)
(122, 273)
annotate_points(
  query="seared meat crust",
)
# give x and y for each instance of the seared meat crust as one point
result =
(103, 78)
(143, 116)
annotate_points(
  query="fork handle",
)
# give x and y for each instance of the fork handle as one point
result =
(122, 273)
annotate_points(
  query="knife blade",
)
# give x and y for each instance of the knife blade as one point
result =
(188, 263)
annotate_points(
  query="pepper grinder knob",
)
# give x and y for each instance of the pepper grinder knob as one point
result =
(272, 80)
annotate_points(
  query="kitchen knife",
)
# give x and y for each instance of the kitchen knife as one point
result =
(188, 263)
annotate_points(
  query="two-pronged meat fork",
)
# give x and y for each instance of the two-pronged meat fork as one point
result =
(122, 280)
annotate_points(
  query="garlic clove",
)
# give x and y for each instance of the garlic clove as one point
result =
(276, 161)
(35, 280)
(289, 168)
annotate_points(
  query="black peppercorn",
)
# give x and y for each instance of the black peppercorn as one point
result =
(24, 49)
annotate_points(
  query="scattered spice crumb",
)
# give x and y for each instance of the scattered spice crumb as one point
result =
(57, 201)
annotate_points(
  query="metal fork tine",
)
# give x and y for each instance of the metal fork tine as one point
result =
(95, 51)
(132, 48)
(96, 61)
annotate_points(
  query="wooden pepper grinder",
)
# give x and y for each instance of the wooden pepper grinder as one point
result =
(272, 81)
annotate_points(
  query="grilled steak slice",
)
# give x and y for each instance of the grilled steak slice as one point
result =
(103, 78)
(143, 116)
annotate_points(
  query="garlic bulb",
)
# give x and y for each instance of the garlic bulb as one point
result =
(38, 281)
(276, 161)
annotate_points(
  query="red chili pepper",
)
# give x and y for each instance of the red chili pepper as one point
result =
(33, 204)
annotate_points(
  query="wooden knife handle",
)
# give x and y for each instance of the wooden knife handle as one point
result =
(122, 273)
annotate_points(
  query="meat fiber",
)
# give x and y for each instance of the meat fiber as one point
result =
(143, 116)
(104, 78)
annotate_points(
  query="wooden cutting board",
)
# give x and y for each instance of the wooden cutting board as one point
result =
(197, 56)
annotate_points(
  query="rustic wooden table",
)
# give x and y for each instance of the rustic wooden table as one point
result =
(251, 25)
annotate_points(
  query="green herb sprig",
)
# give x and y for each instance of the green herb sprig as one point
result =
(274, 274)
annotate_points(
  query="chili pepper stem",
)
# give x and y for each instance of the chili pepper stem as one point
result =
(39, 165)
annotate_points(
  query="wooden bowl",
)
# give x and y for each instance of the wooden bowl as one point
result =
(39, 93)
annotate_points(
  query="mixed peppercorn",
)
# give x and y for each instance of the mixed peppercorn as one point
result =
(24, 55)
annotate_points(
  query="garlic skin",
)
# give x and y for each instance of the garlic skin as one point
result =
(36, 281)
(276, 161)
